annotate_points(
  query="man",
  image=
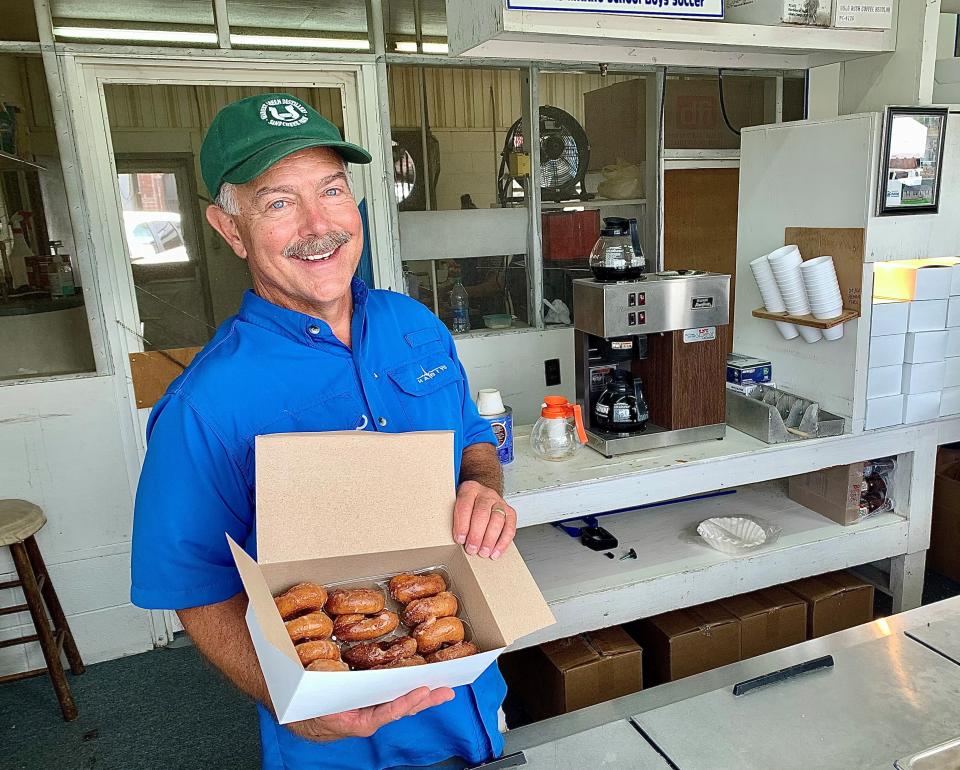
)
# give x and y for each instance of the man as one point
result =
(311, 349)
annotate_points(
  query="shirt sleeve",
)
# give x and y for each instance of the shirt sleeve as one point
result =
(191, 494)
(476, 430)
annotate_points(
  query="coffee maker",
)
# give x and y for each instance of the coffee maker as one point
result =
(667, 332)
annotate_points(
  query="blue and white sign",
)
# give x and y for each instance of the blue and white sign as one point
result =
(679, 9)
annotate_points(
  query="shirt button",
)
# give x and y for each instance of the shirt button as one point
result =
(313, 329)
(383, 422)
(376, 376)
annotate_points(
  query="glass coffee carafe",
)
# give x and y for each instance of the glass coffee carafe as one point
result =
(622, 407)
(617, 255)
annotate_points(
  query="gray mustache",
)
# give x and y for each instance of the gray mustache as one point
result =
(320, 244)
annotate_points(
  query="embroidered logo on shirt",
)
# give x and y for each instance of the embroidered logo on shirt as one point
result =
(426, 376)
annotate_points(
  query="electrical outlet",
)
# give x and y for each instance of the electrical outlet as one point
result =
(551, 372)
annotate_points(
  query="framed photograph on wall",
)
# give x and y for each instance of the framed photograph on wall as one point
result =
(912, 161)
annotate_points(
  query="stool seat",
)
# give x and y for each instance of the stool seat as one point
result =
(19, 519)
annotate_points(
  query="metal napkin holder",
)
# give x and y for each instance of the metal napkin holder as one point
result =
(776, 416)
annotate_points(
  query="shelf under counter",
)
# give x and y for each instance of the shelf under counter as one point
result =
(543, 491)
(673, 569)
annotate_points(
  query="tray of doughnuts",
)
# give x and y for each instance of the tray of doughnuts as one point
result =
(386, 621)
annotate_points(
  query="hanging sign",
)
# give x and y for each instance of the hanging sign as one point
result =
(680, 9)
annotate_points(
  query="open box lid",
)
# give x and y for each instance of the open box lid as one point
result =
(351, 492)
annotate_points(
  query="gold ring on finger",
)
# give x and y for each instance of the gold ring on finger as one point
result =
(500, 511)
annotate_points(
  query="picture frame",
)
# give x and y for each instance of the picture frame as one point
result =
(911, 162)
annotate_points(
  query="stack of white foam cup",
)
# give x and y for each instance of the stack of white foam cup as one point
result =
(785, 264)
(823, 292)
(772, 300)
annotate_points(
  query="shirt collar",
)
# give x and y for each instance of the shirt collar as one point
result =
(299, 327)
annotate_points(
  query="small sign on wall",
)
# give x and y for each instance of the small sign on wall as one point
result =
(680, 9)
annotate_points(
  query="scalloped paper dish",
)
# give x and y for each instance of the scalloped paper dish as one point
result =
(732, 534)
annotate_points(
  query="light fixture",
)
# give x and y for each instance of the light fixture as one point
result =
(406, 46)
(410, 46)
(136, 35)
(286, 41)
(435, 48)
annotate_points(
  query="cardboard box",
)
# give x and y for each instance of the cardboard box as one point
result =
(949, 402)
(831, 492)
(615, 119)
(884, 381)
(311, 484)
(746, 370)
(889, 350)
(919, 407)
(925, 347)
(875, 14)
(944, 553)
(951, 373)
(953, 312)
(686, 642)
(835, 601)
(884, 412)
(817, 13)
(924, 378)
(953, 343)
(889, 317)
(692, 118)
(927, 315)
(569, 674)
(914, 279)
(770, 619)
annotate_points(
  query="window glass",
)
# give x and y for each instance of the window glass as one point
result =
(190, 12)
(19, 21)
(332, 24)
(593, 155)
(44, 329)
(400, 26)
(448, 150)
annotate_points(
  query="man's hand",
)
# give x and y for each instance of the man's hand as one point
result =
(482, 521)
(362, 723)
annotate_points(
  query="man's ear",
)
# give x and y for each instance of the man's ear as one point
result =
(225, 224)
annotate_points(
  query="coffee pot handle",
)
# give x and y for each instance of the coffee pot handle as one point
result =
(578, 420)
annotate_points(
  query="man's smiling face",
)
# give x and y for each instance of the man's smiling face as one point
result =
(299, 229)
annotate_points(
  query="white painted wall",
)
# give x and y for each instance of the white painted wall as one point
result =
(61, 447)
(513, 363)
(806, 174)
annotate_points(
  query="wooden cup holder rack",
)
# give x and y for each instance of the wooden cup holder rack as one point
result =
(846, 246)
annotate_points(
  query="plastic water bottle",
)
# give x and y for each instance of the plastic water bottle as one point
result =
(460, 303)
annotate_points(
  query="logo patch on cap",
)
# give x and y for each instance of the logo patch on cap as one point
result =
(283, 112)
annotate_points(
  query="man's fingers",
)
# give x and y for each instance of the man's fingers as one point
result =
(479, 520)
(395, 709)
(506, 534)
(466, 497)
(494, 528)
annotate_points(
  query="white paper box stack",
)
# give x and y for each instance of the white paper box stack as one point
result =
(918, 407)
(955, 281)
(951, 375)
(889, 317)
(950, 402)
(890, 350)
(884, 381)
(953, 343)
(927, 315)
(884, 412)
(923, 378)
(925, 347)
(953, 313)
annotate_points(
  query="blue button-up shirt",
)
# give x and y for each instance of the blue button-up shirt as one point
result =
(272, 370)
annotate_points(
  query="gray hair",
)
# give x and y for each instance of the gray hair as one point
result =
(228, 200)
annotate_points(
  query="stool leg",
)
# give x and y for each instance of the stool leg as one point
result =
(48, 644)
(53, 606)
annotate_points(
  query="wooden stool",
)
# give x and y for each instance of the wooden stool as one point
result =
(19, 522)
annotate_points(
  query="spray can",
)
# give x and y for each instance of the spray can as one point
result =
(491, 408)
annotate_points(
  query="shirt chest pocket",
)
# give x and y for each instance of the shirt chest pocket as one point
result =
(430, 390)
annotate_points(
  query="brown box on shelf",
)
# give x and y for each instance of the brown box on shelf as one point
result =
(770, 619)
(832, 492)
(686, 642)
(569, 236)
(944, 553)
(835, 601)
(573, 673)
(616, 123)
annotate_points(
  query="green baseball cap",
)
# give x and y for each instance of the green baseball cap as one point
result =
(248, 136)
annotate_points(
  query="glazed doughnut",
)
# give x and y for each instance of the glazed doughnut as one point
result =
(458, 650)
(413, 660)
(303, 597)
(315, 650)
(359, 628)
(432, 634)
(406, 587)
(442, 605)
(370, 654)
(355, 601)
(328, 665)
(315, 625)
